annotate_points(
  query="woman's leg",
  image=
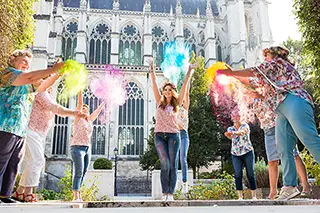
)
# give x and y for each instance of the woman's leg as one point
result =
(302, 171)
(173, 147)
(273, 178)
(184, 154)
(163, 154)
(77, 154)
(237, 166)
(248, 160)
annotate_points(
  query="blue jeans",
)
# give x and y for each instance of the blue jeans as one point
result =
(295, 119)
(184, 146)
(167, 146)
(81, 156)
(247, 161)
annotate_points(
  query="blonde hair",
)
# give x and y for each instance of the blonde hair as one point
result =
(174, 99)
(18, 53)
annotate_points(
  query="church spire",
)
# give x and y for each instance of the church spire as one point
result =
(147, 6)
(209, 9)
(178, 8)
(116, 4)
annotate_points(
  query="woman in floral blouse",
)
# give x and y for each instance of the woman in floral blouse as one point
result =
(294, 109)
(242, 154)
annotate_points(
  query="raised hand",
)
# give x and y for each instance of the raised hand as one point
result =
(57, 66)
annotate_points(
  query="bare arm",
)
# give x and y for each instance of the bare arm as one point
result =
(228, 135)
(44, 85)
(242, 75)
(186, 101)
(35, 76)
(80, 101)
(184, 85)
(96, 113)
(155, 87)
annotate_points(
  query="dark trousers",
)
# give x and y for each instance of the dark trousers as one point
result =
(10, 155)
(247, 161)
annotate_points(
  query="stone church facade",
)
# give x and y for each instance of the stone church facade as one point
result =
(125, 33)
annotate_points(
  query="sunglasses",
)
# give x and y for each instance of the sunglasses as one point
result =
(21, 53)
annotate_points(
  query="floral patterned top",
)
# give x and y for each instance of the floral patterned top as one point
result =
(166, 120)
(241, 144)
(183, 118)
(15, 103)
(82, 131)
(266, 116)
(43, 112)
(283, 77)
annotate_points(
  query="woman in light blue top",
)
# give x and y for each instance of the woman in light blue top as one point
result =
(17, 91)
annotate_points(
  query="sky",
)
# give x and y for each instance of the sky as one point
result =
(282, 21)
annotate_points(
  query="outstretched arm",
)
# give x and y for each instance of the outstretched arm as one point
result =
(155, 87)
(44, 85)
(242, 75)
(185, 83)
(80, 101)
(96, 113)
(35, 76)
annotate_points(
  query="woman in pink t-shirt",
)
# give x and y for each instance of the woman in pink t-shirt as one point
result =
(81, 143)
(167, 132)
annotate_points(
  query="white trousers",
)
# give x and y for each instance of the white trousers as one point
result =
(34, 159)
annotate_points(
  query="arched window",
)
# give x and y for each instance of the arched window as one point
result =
(201, 44)
(98, 138)
(190, 39)
(219, 53)
(218, 47)
(130, 46)
(60, 130)
(100, 45)
(159, 37)
(131, 122)
(69, 40)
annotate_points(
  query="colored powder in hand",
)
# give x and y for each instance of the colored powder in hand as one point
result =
(111, 87)
(212, 71)
(75, 79)
(175, 62)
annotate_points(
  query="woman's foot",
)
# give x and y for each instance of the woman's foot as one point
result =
(170, 198)
(164, 197)
(30, 198)
(273, 195)
(306, 194)
(18, 197)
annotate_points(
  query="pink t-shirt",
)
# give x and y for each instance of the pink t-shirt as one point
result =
(166, 120)
(82, 131)
(42, 115)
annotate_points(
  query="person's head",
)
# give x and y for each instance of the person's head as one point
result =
(274, 52)
(170, 96)
(235, 117)
(20, 60)
(85, 109)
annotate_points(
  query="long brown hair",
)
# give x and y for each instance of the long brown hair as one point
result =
(174, 99)
(278, 51)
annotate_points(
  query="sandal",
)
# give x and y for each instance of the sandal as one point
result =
(16, 196)
(30, 200)
(306, 194)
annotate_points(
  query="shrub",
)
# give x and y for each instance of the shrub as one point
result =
(210, 175)
(157, 165)
(262, 175)
(102, 163)
(65, 190)
(221, 189)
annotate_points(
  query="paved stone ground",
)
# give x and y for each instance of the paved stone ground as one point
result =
(213, 209)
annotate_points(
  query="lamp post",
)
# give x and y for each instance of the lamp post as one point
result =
(115, 151)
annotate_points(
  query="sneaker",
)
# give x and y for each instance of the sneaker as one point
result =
(240, 198)
(254, 198)
(164, 198)
(288, 193)
(8, 200)
(170, 198)
(185, 188)
(77, 200)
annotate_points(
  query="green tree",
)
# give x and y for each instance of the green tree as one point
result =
(204, 131)
(16, 27)
(307, 12)
(149, 158)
